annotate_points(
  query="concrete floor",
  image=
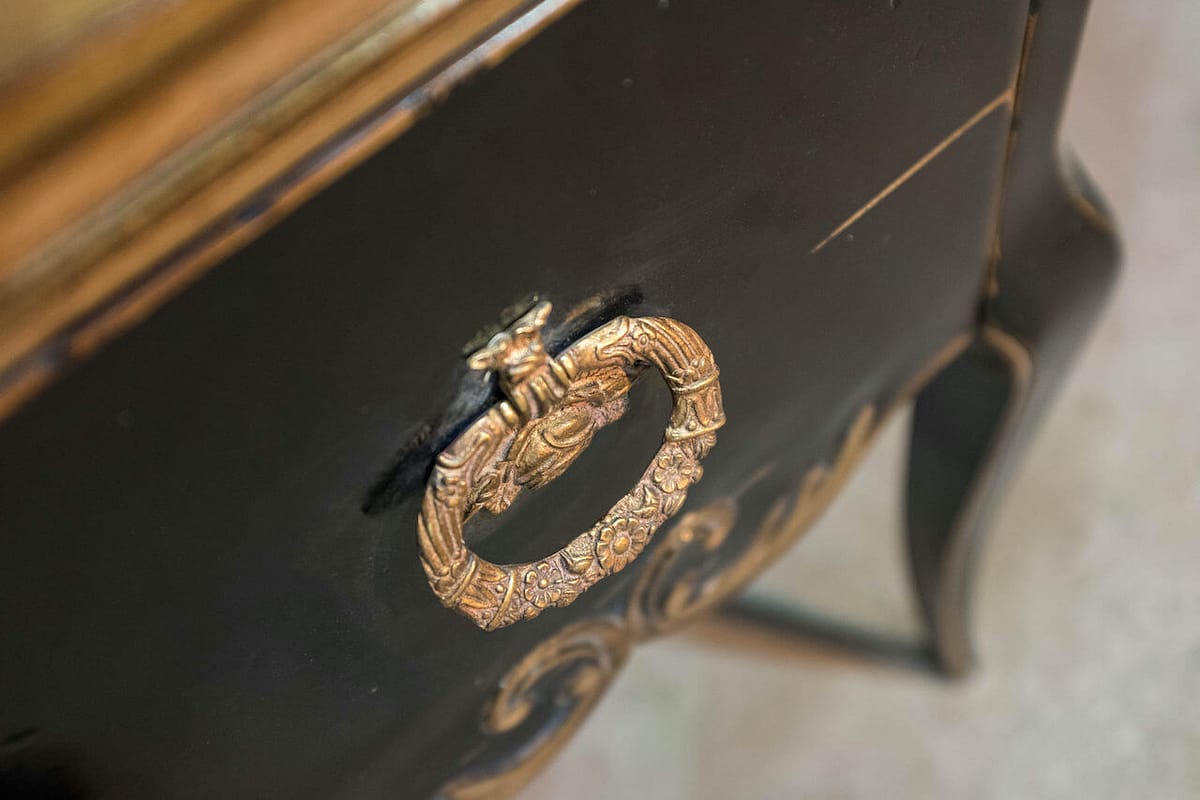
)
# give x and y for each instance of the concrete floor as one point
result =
(1089, 615)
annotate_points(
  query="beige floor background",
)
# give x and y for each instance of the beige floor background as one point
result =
(1089, 614)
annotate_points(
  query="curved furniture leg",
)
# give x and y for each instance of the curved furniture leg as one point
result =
(1057, 261)
(963, 428)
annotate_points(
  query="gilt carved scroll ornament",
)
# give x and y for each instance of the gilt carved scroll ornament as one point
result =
(678, 582)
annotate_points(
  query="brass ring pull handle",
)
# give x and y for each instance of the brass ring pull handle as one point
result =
(553, 408)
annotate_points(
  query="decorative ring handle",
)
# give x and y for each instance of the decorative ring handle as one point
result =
(553, 408)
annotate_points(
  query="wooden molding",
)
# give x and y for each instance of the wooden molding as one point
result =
(102, 184)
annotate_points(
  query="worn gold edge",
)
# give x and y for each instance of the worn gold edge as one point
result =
(1075, 194)
(990, 279)
(1003, 99)
(953, 642)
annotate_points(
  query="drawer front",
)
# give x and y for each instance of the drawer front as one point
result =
(210, 569)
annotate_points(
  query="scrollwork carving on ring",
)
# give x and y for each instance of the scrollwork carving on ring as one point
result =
(553, 408)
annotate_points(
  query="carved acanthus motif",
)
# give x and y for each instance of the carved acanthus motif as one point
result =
(564, 677)
(676, 585)
(669, 595)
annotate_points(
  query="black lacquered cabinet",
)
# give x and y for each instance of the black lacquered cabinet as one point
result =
(210, 570)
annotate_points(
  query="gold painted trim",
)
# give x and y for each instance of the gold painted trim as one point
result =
(990, 280)
(1005, 98)
(950, 627)
(571, 670)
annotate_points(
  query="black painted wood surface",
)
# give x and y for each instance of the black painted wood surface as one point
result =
(208, 568)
